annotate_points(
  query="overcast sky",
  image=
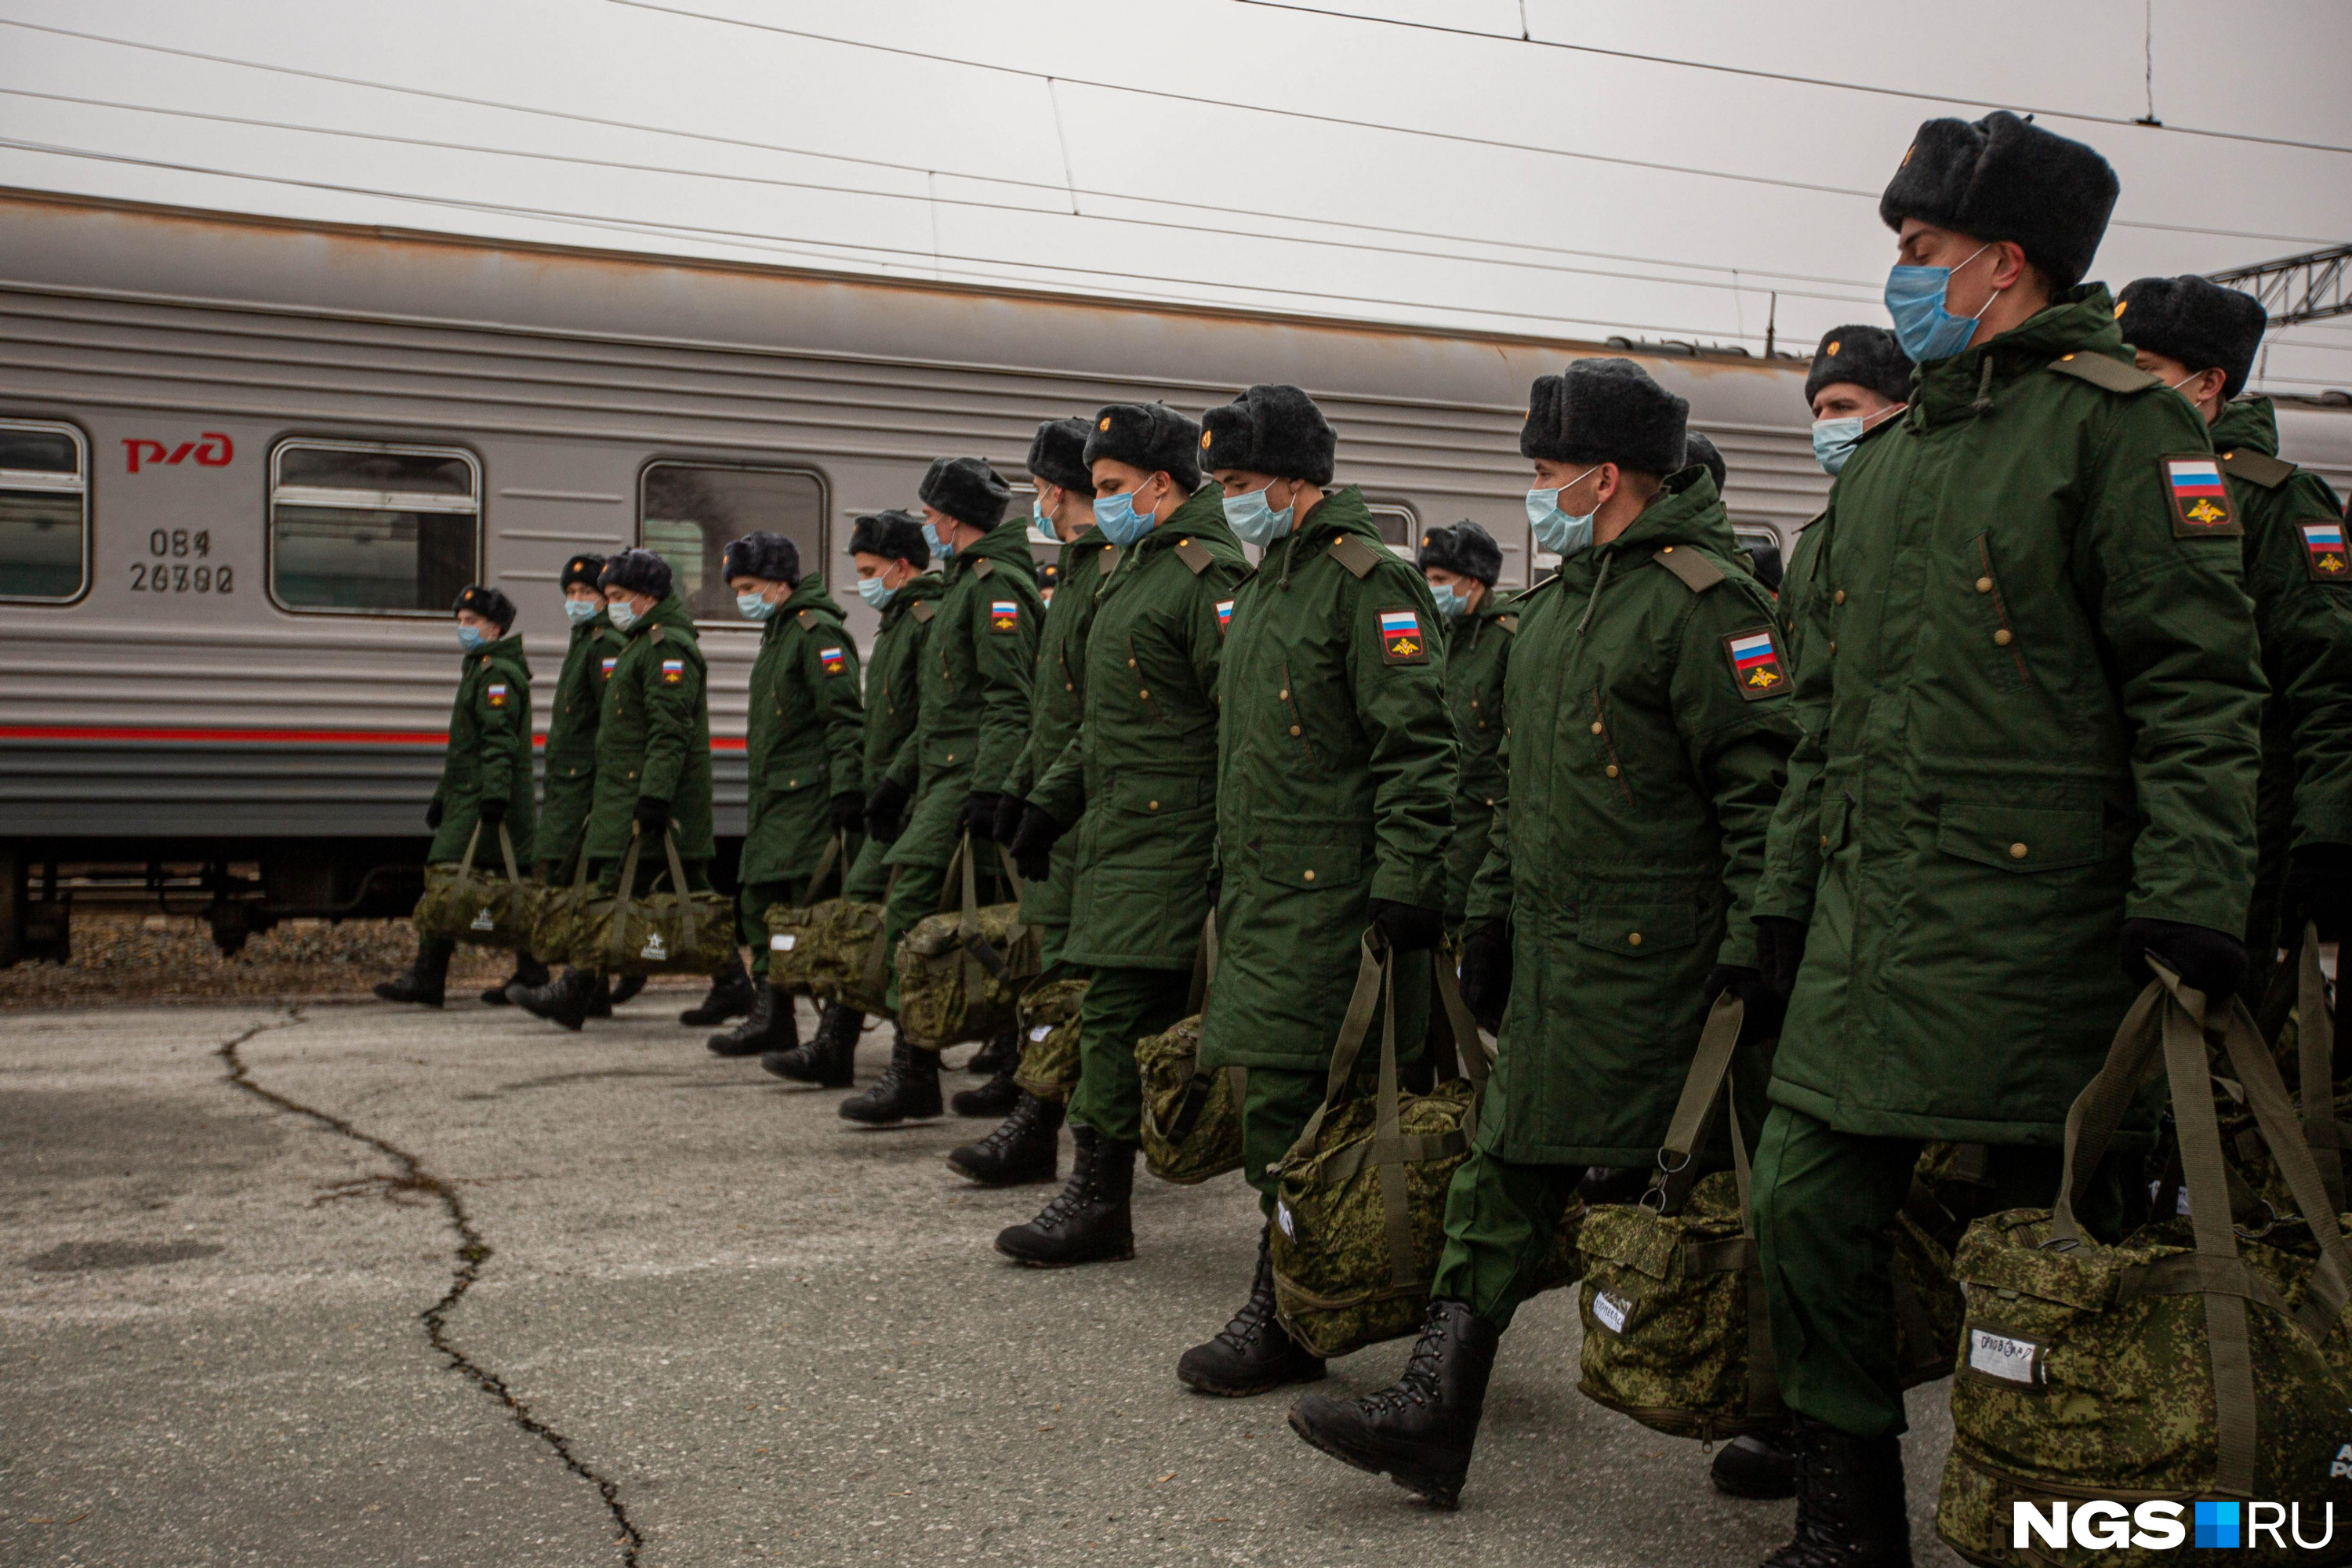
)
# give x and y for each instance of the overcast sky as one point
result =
(1660, 177)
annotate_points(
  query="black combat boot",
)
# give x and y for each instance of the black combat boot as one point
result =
(564, 1000)
(624, 989)
(997, 1097)
(1001, 1054)
(424, 980)
(1759, 1465)
(731, 995)
(1253, 1353)
(769, 1027)
(1088, 1222)
(908, 1089)
(830, 1058)
(1851, 1510)
(600, 993)
(1027, 1148)
(528, 972)
(1418, 1431)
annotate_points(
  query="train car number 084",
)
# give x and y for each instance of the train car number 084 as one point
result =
(169, 572)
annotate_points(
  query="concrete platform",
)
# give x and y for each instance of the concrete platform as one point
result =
(766, 1335)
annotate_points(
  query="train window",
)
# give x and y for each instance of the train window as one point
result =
(691, 511)
(44, 512)
(1399, 525)
(370, 529)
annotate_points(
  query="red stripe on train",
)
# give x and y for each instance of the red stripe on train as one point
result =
(267, 737)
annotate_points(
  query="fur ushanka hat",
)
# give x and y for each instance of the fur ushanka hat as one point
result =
(1866, 356)
(1465, 549)
(766, 555)
(2006, 178)
(2197, 322)
(1057, 455)
(638, 571)
(489, 604)
(1151, 437)
(894, 535)
(967, 490)
(1605, 411)
(1270, 429)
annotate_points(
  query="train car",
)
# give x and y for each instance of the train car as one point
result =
(247, 464)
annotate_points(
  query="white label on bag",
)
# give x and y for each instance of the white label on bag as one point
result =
(1282, 1218)
(655, 949)
(2003, 1356)
(482, 920)
(1040, 1031)
(782, 943)
(1610, 1311)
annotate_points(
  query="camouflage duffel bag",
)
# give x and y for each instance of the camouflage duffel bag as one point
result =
(2186, 1362)
(961, 972)
(1191, 1114)
(809, 946)
(461, 904)
(1049, 1039)
(675, 932)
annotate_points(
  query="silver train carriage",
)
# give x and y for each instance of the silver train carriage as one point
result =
(245, 464)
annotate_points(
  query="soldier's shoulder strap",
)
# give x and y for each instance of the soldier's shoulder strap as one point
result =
(1199, 557)
(2111, 375)
(923, 610)
(810, 620)
(1353, 553)
(2257, 468)
(655, 634)
(1696, 571)
(1105, 560)
(982, 567)
(1812, 520)
(1510, 623)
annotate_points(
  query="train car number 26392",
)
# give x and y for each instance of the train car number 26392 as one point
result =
(170, 571)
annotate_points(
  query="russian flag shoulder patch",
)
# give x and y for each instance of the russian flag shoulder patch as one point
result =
(673, 671)
(2322, 551)
(1224, 616)
(2200, 501)
(1756, 667)
(496, 695)
(834, 660)
(1401, 640)
(1005, 614)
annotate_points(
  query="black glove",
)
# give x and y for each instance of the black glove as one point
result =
(1766, 1006)
(885, 804)
(493, 811)
(2212, 961)
(1779, 948)
(977, 816)
(848, 812)
(1487, 973)
(1408, 927)
(1033, 845)
(1008, 819)
(432, 812)
(2318, 889)
(652, 816)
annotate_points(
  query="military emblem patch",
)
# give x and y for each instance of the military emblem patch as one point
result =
(1400, 638)
(835, 662)
(1224, 616)
(497, 694)
(1004, 616)
(609, 664)
(2322, 547)
(2201, 501)
(673, 671)
(1756, 665)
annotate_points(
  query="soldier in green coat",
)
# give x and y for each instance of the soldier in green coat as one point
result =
(804, 761)
(2199, 338)
(1137, 788)
(1335, 799)
(1027, 1145)
(1461, 563)
(653, 770)
(1648, 708)
(891, 558)
(2038, 754)
(571, 759)
(973, 720)
(485, 776)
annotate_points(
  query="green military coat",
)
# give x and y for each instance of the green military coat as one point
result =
(973, 717)
(2041, 715)
(1477, 653)
(653, 739)
(1143, 764)
(894, 680)
(805, 741)
(571, 788)
(489, 754)
(1650, 727)
(1335, 783)
(1057, 693)
(2300, 577)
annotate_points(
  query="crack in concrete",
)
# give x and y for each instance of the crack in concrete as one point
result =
(472, 1253)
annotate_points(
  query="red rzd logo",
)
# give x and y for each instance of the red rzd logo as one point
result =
(213, 449)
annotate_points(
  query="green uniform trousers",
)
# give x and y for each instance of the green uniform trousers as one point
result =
(1501, 1219)
(1824, 1201)
(1121, 1007)
(1278, 1102)
(868, 882)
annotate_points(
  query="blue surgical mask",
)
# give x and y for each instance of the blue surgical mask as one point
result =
(624, 617)
(753, 607)
(1914, 298)
(471, 638)
(874, 593)
(1041, 526)
(1257, 522)
(1449, 605)
(1119, 519)
(1556, 530)
(580, 612)
(1833, 442)
(940, 547)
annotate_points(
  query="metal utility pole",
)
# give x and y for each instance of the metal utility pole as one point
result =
(2297, 287)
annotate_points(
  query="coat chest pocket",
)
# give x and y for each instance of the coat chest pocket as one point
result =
(1311, 867)
(1144, 796)
(1636, 930)
(2020, 839)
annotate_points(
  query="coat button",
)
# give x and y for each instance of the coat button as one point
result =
(1825, 843)
(1283, 694)
(1482, 723)
(1130, 664)
(1144, 696)
(1612, 770)
(633, 773)
(791, 783)
(1293, 728)
(1153, 805)
(1833, 647)
(1634, 938)
(951, 756)
(1596, 726)
(1984, 585)
(1838, 597)
(1068, 686)
(2001, 637)
(2017, 851)
(1307, 875)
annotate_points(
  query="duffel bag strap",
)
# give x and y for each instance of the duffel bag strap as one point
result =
(1372, 970)
(1707, 1081)
(824, 869)
(2315, 1040)
(1390, 1149)
(506, 848)
(688, 917)
(616, 932)
(1204, 964)
(466, 864)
